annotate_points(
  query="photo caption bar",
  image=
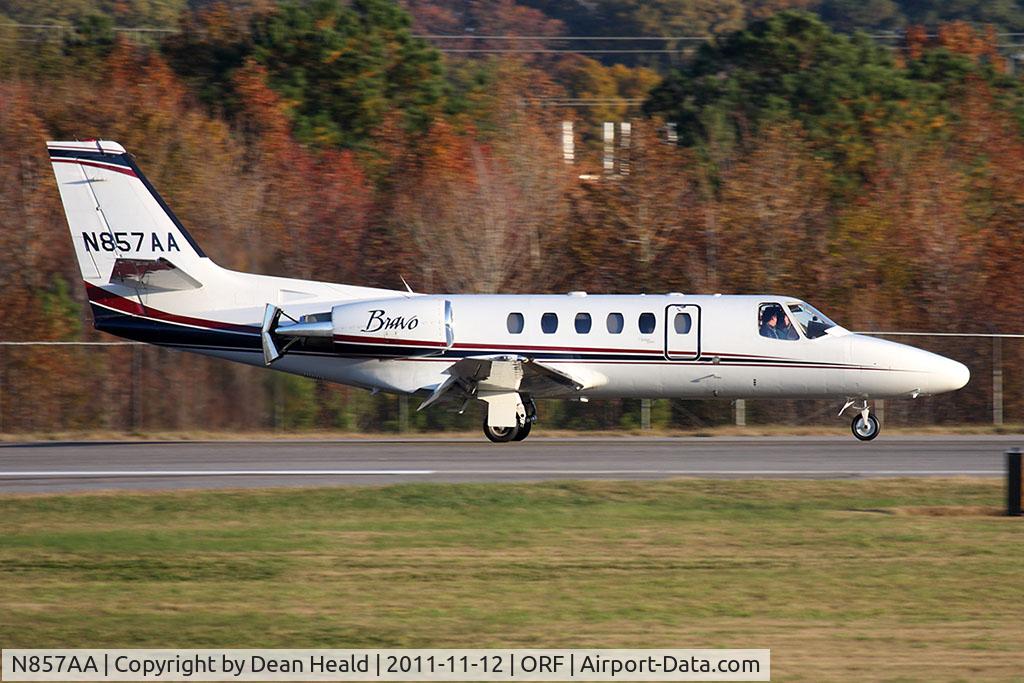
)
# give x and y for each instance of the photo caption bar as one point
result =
(385, 665)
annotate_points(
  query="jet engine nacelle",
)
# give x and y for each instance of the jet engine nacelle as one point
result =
(414, 326)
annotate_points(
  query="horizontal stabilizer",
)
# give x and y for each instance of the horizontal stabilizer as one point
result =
(152, 274)
(271, 314)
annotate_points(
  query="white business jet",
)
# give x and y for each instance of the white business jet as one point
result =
(147, 279)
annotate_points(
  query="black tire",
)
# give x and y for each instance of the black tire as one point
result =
(523, 431)
(865, 431)
(499, 434)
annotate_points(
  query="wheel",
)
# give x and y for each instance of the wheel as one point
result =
(865, 431)
(523, 431)
(499, 434)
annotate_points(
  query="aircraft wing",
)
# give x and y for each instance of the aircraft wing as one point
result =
(483, 376)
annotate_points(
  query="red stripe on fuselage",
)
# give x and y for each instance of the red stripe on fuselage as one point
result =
(527, 349)
(125, 305)
(356, 339)
(120, 303)
(567, 349)
(346, 338)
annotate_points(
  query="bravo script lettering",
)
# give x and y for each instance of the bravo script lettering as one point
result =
(379, 321)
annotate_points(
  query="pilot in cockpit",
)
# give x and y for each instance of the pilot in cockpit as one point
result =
(770, 322)
(786, 329)
(775, 323)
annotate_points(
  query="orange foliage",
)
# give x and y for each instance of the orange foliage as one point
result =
(916, 41)
(28, 211)
(962, 38)
(484, 18)
(483, 202)
(773, 219)
(313, 205)
(959, 37)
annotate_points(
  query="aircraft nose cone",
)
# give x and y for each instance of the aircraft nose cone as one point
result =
(957, 375)
(947, 374)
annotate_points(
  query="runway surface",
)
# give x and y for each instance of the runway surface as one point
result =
(81, 466)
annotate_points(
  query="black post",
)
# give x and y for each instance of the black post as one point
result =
(1013, 482)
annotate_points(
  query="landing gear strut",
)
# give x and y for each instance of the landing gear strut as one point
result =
(865, 425)
(523, 432)
(517, 433)
(531, 417)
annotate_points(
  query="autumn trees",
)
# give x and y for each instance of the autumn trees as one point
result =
(322, 140)
(719, 17)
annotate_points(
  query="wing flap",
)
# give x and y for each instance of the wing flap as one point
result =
(484, 377)
(555, 375)
(439, 391)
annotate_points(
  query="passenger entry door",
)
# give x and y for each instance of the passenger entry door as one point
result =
(682, 332)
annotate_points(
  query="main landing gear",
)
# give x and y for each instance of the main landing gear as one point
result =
(517, 433)
(865, 425)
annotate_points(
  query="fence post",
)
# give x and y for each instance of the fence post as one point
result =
(3, 382)
(645, 413)
(997, 381)
(1013, 482)
(741, 413)
(135, 418)
(278, 391)
(403, 414)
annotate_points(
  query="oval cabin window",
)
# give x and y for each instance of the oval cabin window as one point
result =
(549, 323)
(515, 323)
(583, 323)
(647, 323)
(682, 323)
(615, 323)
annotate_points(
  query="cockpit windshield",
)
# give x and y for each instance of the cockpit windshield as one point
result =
(811, 320)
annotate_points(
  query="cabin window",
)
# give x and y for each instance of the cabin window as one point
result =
(515, 323)
(682, 323)
(647, 323)
(583, 323)
(774, 323)
(615, 323)
(549, 323)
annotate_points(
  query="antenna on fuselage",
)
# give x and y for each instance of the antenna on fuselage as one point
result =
(407, 287)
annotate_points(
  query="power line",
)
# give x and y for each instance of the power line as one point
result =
(484, 50)
(70, 343)
(877, 333)
(60, 28)
(587, 99)
(474, 36)
(582, 102)
(943, 334)
(430, 36)
(703, 37)
(68, 27)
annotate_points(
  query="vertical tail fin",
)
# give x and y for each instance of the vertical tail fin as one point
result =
(113, 212)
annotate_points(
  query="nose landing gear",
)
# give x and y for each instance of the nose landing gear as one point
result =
(865, 425)
(865, 428)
